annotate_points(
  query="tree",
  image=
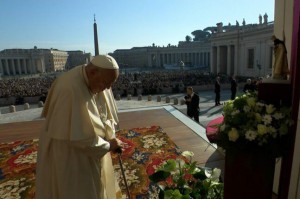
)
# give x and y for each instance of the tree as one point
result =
(200, 35)
(188, 38)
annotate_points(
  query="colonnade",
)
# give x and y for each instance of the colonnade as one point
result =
(20, 66)
(224, 59)
(193, 58)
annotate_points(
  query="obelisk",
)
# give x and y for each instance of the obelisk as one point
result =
(96, 37)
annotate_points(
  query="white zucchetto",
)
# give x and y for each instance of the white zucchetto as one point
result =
(105, 61)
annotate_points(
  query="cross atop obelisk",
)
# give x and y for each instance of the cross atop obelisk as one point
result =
(96, 37)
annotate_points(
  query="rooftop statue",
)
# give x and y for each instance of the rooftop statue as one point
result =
(244, 22)
(260, 19)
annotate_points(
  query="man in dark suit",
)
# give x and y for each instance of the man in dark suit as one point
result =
(249, 87)
(192, 102)
(217, 91)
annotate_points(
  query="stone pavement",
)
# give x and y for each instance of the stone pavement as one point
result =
(207, 109)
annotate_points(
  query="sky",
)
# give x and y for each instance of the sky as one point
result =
(122, 24)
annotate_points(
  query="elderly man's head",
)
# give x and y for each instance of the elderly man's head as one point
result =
(102, 72)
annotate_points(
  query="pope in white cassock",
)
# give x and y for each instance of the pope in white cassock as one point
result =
(74, 159)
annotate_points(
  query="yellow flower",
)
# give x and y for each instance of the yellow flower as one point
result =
(262, 129)
(258, 117)
(270, 109)
(233, 134)
(251, 101)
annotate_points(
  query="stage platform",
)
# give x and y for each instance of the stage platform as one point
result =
(186, 134)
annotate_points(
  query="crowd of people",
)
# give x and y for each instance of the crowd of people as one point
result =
(155, 82)
(147, 82)
(25, 87)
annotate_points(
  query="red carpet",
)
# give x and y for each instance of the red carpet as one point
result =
(145, 150)
(212, 129)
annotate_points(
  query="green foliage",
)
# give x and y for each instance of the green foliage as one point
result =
(188, 38)
(187, 181)
(159, 176)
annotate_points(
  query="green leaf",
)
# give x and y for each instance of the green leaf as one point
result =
(200, 175)
(206, 184)
(181, 182)
(185, 197)
(159, 176)
(169, 166)
(192, 168)
(196, 195)
(172, 194)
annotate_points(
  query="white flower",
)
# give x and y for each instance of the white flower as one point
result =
(246, 109)
(270, 108)
(150, 141)
(260, 104)
(261, 129)
(180, 163)
(251, 101)
(138, 157)
(213, 175)
(208, 173)
(258, 117)
(250, 135)
(278, 116)
(158, 151)
(12, 189)
(29, 158)
(235, 112)
(187, 154)
(267, 119)
(197, 170)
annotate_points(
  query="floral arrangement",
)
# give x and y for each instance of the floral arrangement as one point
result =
(179, 179)
(251, 124)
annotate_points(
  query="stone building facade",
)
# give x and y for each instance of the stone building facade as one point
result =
(32, 61)
(192, 54)
(77, 57)
(244, 50)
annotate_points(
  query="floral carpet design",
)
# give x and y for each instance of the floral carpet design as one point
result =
(145, 149)
(17, 169)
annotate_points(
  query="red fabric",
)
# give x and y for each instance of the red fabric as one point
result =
(212, 129)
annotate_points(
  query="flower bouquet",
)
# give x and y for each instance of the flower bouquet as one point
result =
(253, 125)
(179, 179)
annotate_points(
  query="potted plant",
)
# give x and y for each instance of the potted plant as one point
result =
(183, 179)
(253, 133)
(253, 125)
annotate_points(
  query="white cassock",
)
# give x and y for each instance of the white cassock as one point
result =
(73, 155)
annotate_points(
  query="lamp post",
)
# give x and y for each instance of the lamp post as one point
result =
(258, 66)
